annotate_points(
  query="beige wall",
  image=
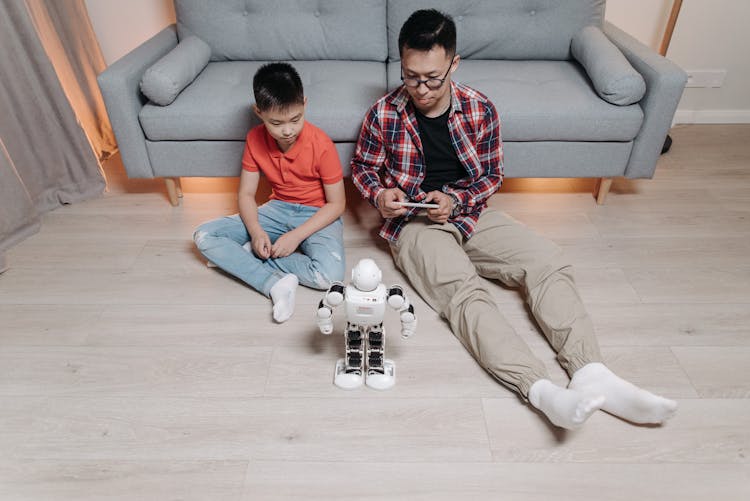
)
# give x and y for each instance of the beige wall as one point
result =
(709, 35)
(714, 35)
(121, 25)
(644, 19)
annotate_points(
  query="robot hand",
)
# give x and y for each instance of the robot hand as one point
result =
(408, 323)
(398, 300)
(325, 319)
(334, 297)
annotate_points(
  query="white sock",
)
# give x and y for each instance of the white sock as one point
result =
(623, 399)
(563, 407)
(282, 295)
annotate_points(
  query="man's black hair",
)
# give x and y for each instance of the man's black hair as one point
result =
(277, 86)
(426, 28)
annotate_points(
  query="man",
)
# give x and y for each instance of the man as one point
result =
(435, 141)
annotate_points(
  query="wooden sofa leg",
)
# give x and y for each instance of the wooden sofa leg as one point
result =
(174, 191)
(178, 183)
(602, 188)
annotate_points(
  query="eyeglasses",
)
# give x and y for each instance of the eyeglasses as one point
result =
(430, 83)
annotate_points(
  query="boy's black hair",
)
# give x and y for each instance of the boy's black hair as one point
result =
(426, 28)
(277, 86)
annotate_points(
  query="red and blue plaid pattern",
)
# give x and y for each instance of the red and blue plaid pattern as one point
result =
(389, 154)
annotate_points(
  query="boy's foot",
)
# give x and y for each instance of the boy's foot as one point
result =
(564, 407)
(623, 399)
(282, 295)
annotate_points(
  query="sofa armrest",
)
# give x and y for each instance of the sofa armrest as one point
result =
(665, 82)
(120, 86)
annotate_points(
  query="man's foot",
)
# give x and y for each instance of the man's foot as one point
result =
(564, 407)
(282, 295)
(623, 399)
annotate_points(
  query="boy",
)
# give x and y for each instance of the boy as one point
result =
(297, 236)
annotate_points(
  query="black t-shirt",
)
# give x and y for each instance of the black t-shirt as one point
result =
(441, 162)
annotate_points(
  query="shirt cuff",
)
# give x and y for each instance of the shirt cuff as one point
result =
(374, 200)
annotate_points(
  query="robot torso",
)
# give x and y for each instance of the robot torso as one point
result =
(365, 308)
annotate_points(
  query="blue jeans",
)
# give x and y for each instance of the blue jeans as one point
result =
(318, 261)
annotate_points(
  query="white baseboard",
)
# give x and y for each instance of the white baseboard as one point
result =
(712, 117)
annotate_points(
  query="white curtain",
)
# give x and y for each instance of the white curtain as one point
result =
(46, 159)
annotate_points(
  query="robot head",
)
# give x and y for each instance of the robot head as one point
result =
(366, 275)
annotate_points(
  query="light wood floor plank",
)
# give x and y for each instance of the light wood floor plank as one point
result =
(515, 481)
(324, 429)
(148, 372)
(717, 371)
(80, 480)
(672, 324)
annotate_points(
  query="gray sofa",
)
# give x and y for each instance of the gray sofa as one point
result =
(577, 97)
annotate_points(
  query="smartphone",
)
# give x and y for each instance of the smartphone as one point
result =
(417, 204)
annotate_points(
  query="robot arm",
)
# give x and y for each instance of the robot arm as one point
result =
(398, 301)
(334, 297)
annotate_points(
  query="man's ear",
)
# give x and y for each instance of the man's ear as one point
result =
(454, 64)
(257, 111)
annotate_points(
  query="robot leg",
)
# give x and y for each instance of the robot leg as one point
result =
(381, 373)
(350, 370)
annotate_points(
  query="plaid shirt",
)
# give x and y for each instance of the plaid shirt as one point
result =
(389, 154)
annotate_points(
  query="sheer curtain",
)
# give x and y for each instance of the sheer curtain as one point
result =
(46, 159)
(68, 38)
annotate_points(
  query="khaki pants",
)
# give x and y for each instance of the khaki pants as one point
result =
(445, 270)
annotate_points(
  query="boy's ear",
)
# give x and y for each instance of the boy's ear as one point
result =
(257, 111)
(305, 101)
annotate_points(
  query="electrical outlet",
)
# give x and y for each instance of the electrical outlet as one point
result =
(706, 78)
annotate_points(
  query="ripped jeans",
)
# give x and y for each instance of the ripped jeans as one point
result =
(318, 261)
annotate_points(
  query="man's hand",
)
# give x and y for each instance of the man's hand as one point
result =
(285, 245)
(442, 213)
(386, 205)
(261, 244)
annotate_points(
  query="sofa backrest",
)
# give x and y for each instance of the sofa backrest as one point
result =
(505, 29)
(261, 30)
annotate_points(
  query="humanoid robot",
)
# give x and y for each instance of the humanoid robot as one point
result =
(365, 299)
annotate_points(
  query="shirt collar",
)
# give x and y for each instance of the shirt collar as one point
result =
(401, 98)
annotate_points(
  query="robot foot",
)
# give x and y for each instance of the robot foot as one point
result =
(346, 380)
(382, 380)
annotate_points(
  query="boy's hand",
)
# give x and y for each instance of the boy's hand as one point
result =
(442, 213)
(285, 245)
(261, 244)
(387, 208)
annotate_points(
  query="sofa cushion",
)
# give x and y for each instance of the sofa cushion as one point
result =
(218, 104)
(512, 29)
(259, 30)
(166, 78)
(544, 101)
(613, 77)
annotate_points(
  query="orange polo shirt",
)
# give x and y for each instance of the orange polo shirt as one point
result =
(298, 175)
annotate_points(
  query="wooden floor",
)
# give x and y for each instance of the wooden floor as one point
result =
(130, 370)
